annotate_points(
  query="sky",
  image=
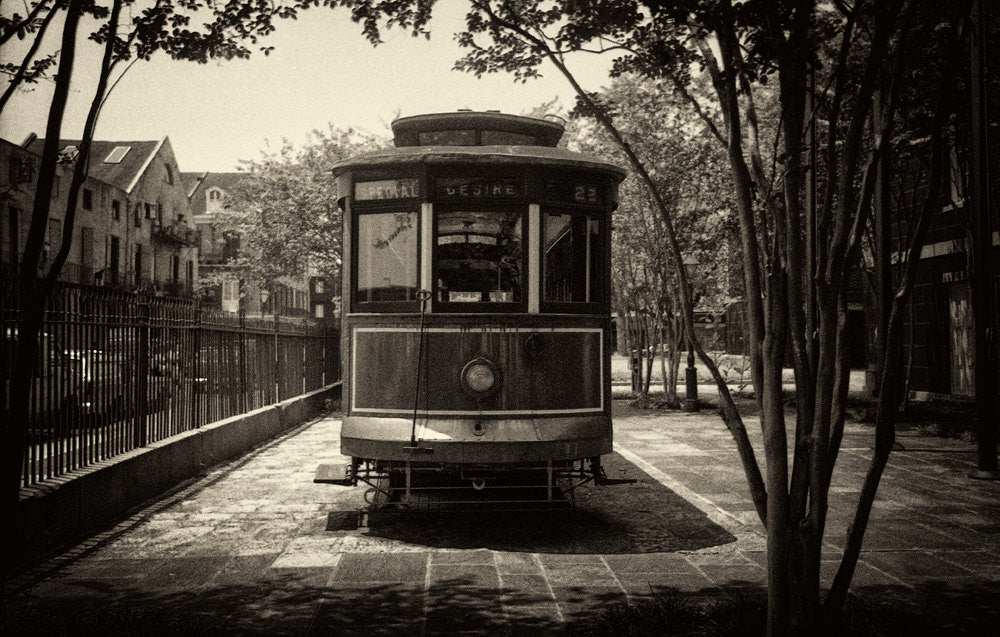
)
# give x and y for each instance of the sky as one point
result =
(322, 72)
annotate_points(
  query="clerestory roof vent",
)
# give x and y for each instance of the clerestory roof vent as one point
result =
(117, 154)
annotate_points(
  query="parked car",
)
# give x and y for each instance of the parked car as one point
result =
(61, 389)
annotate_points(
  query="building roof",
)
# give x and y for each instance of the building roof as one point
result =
(119, 163)
(199, 183)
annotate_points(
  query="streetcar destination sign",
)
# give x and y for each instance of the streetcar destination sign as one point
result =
(386, 189)
(479, 188)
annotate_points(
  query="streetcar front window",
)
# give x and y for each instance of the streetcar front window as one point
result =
(387, 257)
(572, 263)
(478, 256)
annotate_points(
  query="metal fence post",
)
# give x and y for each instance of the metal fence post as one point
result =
(195, 395)
(243, 402)
(142, 374)
(277, 359)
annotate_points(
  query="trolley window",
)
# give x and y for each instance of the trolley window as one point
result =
(478, 258)
(387, 266)
(573, 259)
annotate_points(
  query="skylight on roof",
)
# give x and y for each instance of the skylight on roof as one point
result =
(116, 155)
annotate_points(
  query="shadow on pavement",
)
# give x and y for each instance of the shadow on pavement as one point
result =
(292, 605)
(954, 608)
(644, 517)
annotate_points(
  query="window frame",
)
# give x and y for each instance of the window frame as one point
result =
(410, 206)
(481, 307)
(601, 306)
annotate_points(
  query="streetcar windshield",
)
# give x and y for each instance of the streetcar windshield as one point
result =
(478, 256)
(572, 264)
(387, 257)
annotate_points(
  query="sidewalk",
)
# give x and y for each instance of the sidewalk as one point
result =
(257, 548)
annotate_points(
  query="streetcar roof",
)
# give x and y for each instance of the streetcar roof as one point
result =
(407, 130)
(479, 155)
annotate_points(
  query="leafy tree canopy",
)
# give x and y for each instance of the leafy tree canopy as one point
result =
(285, 212)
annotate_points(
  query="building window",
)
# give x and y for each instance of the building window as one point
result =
(149, 210)
(138, 265)
(215, 195)
(320, 310)
(113, 259)
(88, 199)
(190, 271)
(175, 268)
(116, 209)
(319, 286)
(170, 174)
(230, 290)
(138, 215)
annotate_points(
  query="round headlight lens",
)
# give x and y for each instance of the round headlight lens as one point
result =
(479, 377)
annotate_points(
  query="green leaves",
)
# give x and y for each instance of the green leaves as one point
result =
(285, 211)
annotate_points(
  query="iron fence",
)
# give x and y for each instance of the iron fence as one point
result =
(119, 370)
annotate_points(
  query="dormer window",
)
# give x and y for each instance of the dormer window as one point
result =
(117, 154)
(215, 195)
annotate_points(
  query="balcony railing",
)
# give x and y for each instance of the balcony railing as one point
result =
(177, 233)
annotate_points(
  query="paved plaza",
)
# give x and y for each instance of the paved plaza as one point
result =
(256, 547)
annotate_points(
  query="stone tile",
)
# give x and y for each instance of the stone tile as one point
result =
(465, 609)
(462, 557)
(576, 603)
(975, 561)
(478, 575)
(542, 619)
(129, 568)
(548, 559)
(242, 570)
(370, 608)
(185, 572)
(864, 575)
(520, 583)
(907, 565)
(734, 574)
(729, 557)
(517, 563)
(649, 563)
(306, 560)
(579, 574)
(382, 567)
(644, 584)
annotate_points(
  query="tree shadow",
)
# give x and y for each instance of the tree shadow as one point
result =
(643, 517)
(282, 605)
(956, 607)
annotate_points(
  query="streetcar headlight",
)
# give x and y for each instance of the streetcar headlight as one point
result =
(480, 377)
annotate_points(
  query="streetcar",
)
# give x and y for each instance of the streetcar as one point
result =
(476, 340)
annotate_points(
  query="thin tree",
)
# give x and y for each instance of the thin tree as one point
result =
(225, 30)
(796, 266)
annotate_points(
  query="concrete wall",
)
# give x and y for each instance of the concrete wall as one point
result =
(64, 510)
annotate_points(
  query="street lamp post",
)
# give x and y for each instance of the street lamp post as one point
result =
(691, 373)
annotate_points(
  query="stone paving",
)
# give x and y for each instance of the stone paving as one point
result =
(253, 547)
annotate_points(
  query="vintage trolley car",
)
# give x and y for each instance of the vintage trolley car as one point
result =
(476, 324)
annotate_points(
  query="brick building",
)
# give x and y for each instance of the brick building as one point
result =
(133, 227)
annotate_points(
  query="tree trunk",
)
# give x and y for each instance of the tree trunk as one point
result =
(31, 302)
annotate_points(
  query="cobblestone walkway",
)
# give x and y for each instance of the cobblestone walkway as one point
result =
(253, 547)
